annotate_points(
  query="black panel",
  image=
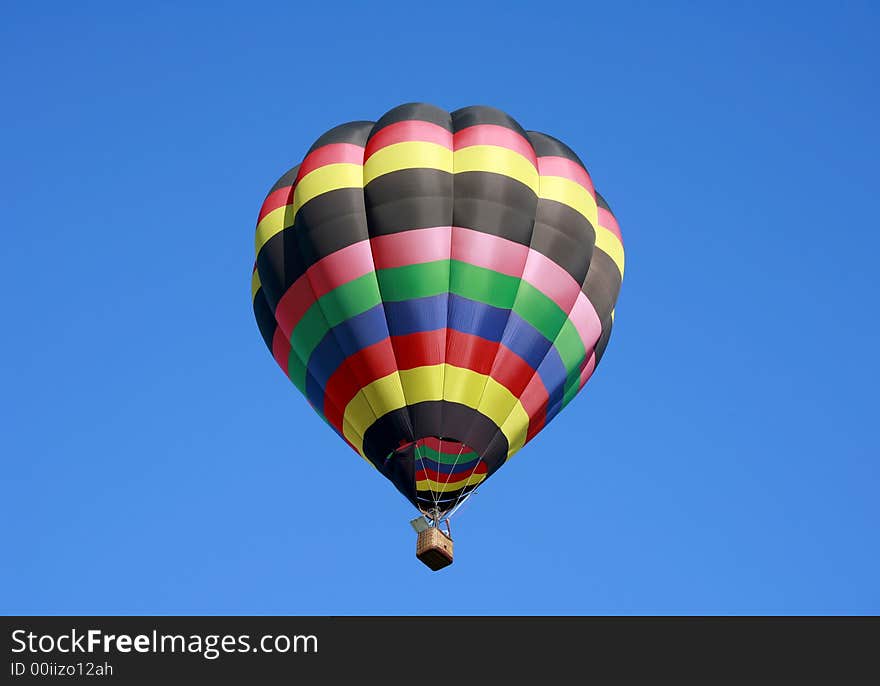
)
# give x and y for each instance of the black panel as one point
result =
(548, 146)
(414, 110)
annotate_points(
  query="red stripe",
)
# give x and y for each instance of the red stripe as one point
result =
(334, 153)
(608, 220)
(421, 349)
(479, 355)
(538, 414)
(277, 198)
(534, 400)
(407, 131)
(445, 446)
(364, 367)
(426, 349)
(537, 423)
(293, 304)
(471, 352)
(511, 371)
(443, 478)
(425, 245)
(562, 166)
(492, 134)
(281, 349)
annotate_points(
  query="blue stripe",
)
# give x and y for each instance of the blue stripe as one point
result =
(430, 314)
(417, 315)
(553, 374)
(340, 342)
(428, 463)
(476, 318)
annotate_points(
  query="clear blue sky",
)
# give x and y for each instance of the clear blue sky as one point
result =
(153, 456)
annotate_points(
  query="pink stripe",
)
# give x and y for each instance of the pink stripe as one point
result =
(293, 305)
(607, 220)
(277, 198)
(587, 371)
(411, 247)
(491, 252)
(561, 166)
(492, 134)
(281, 349)
(586, 321)
(346, 264)
(428, 245)
(534, 398)
(406, 131)
(335, 270)
(334, 153)
(514, 259)
(556, 283)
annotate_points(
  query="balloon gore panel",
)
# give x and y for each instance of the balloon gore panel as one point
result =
(439, 286)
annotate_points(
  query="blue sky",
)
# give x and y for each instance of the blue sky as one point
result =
(724, 457)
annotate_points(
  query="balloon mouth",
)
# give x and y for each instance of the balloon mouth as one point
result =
(445, 471)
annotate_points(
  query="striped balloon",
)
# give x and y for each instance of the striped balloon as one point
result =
(439, 286)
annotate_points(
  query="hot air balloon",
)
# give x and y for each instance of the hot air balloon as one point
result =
(439, 286)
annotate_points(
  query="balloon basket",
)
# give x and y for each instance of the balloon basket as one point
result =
(434, 548)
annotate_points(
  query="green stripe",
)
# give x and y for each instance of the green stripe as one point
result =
(332, 309)
(350, 298)
(296, 370)
(413, 281)
(445, 458)
(570, 392)
(433, 278)
(570, 346)
(483, 285)
(539, 310)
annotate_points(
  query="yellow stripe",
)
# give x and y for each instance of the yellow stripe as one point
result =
(357, 416)
(384, 395)
(441, 487)
(425, 155)
(420, 154)
(371, 402)
(322, 180)
(569, 193)
(348, 430)
(515, 428)
(424, 384)
(610, 244)
(407, 155)
(497, 160)
(577, 197)
(255, 284)
(428, 385)
(501, 403)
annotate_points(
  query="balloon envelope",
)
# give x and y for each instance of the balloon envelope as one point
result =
(439, 286)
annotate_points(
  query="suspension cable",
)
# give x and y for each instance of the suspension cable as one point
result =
(461, 499)
(457, 458)
(421, 458)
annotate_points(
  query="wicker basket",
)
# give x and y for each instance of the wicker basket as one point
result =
(434, 548)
